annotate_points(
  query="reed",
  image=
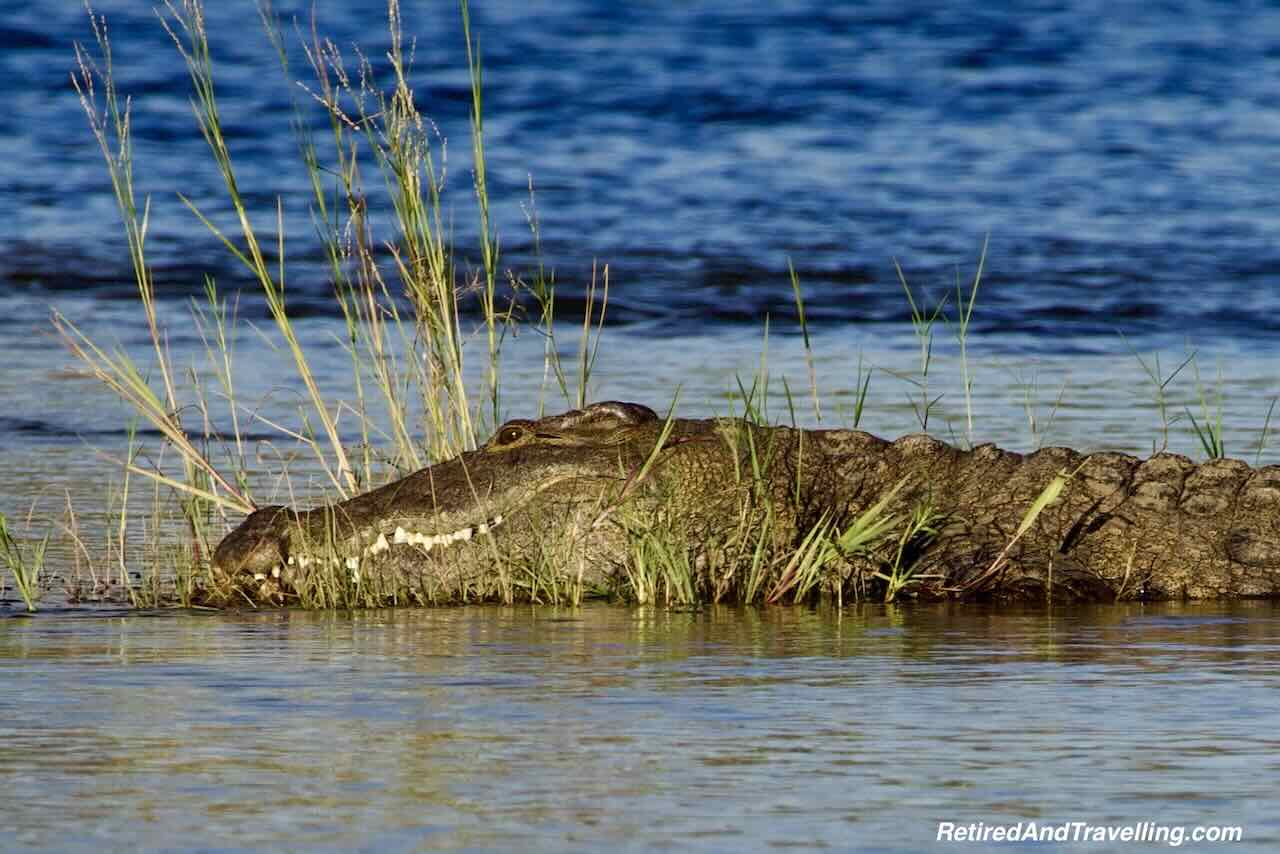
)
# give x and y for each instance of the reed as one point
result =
(808, 346)
(1160, 383)
(25, 565)
(404, 358)
(963, 319)
(1265, 432)
(1037, 427)
(1209, 429)
(923, 320)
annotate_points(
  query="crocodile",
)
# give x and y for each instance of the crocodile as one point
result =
(561, 503)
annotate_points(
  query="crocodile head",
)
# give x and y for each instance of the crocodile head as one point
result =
(536, 484)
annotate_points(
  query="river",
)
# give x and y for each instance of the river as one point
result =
(1116, 158)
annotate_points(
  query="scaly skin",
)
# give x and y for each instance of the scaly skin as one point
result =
(566, 490)
(429, 535)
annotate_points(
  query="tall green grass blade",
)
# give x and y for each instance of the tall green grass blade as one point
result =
(808, 347)
(1262, 437)
(24, 569)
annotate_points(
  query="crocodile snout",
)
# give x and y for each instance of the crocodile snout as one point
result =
(258, 546)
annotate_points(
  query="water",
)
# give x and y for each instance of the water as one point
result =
(536, 729)
(1117, 155)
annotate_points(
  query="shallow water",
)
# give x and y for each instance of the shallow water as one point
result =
(544, 729)
(1118, 155)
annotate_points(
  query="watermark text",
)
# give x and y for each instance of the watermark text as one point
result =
(1173, 835)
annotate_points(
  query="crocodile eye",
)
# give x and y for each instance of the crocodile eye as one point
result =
(509, 435)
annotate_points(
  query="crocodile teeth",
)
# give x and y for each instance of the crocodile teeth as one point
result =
(428, 541)
(400, 537)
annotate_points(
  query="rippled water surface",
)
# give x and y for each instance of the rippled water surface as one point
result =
(538, 729)
(1119, 156)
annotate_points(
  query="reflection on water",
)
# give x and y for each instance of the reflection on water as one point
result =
(519, 729)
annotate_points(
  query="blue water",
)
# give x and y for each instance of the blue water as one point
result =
(1119, 155)
(1119, 159)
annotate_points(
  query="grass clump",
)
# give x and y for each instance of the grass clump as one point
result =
(1209, 429)
(25, 567)
(409, 365)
